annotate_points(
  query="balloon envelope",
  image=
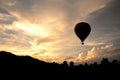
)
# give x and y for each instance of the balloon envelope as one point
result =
(82, 30)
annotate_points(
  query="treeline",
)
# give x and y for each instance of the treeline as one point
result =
(26, 66)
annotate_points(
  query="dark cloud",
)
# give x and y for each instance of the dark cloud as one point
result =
(11, 36)
(3, 11)
(105, 25)
(45, 40)
(6, 32)
(10, 32)
(6, 17)
(105, 22)
(45, 8)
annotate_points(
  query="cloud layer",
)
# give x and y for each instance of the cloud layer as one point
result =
(44, 28)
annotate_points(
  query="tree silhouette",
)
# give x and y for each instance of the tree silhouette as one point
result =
(71, 64)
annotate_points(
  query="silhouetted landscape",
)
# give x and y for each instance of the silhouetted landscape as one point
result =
(26, 66)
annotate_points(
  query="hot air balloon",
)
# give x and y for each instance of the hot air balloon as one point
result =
(82, 30)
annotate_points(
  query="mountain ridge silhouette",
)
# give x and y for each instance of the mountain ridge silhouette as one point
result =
(27, 66)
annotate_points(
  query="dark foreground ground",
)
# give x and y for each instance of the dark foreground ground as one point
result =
(26, 67)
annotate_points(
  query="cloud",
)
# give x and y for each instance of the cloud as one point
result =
(46, 56)
(105, 23)
(97, 54)
(60, 9)
(10, 36)
(105, 32)
(100, 52)
(6, 18)
(44, 40)
(107, 51)
(45, 27)
(57, 17)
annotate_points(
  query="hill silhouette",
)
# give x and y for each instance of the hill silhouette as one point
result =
(26, 66)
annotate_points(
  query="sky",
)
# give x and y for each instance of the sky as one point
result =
(44, 29)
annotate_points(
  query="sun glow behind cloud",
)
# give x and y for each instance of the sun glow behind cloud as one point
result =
(32, 29)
